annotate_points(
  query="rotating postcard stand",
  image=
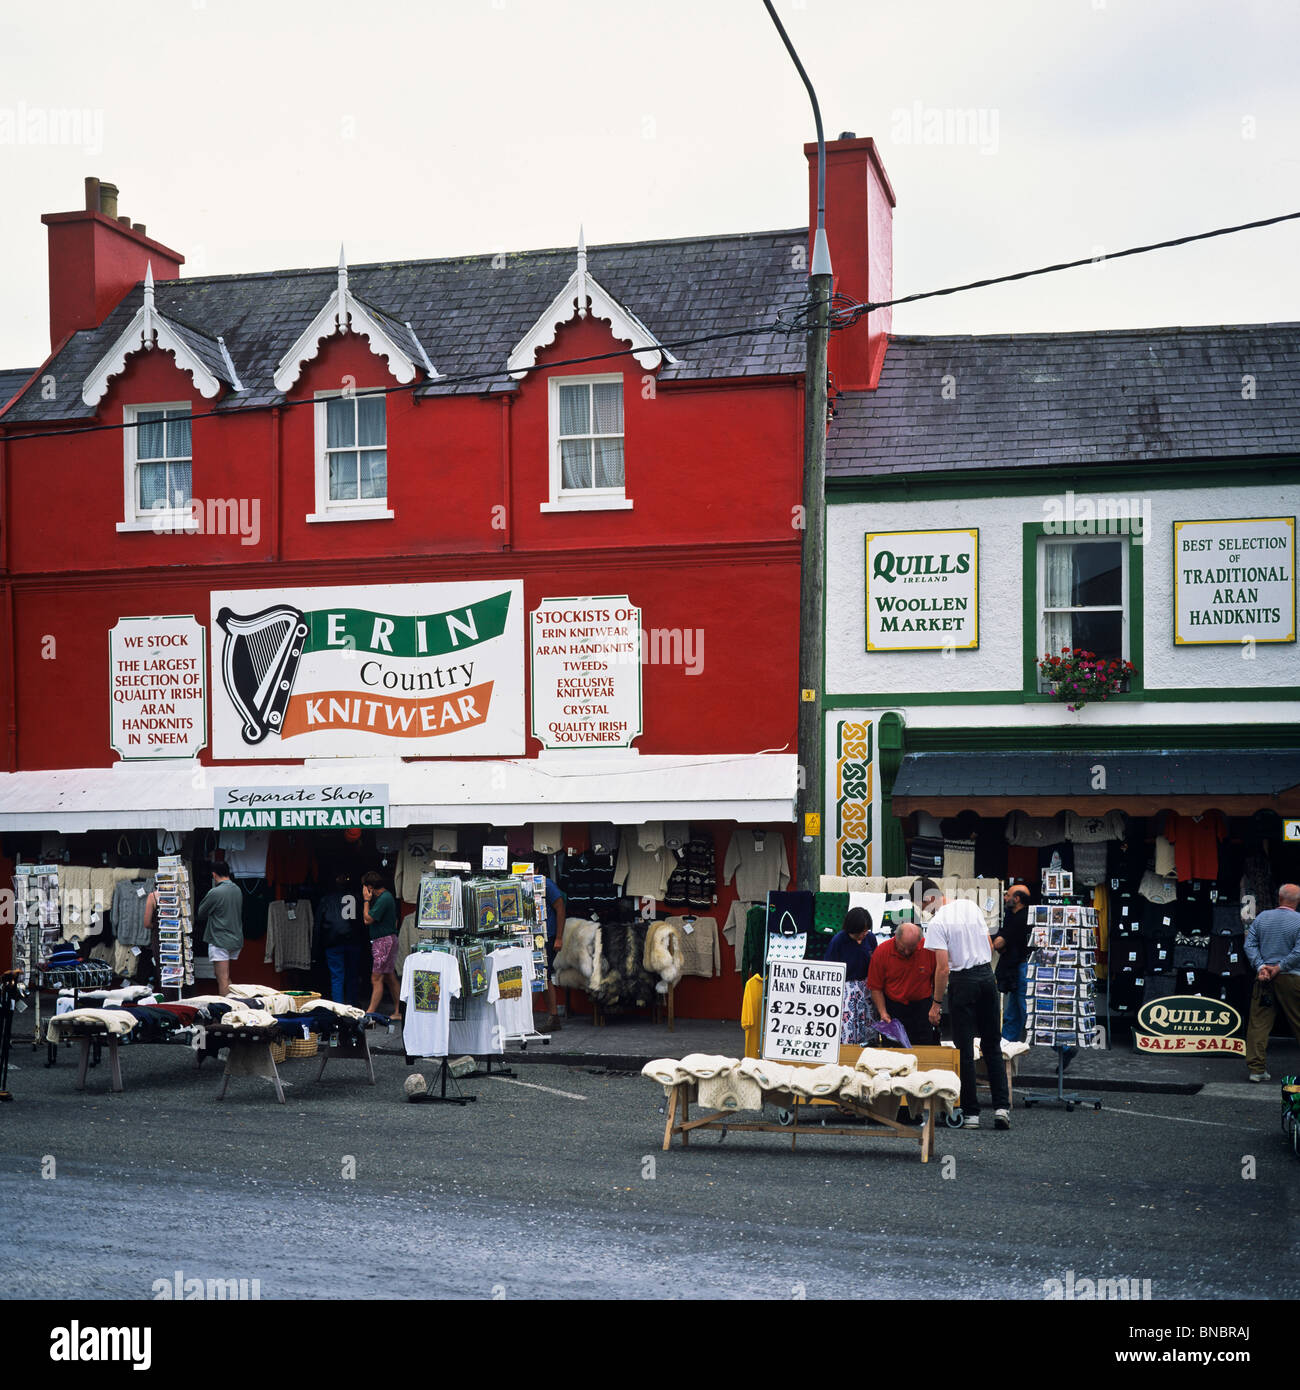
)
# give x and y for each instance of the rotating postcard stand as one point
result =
(1060, 984)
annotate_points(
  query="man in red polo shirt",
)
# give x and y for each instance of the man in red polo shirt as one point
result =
(901, 981)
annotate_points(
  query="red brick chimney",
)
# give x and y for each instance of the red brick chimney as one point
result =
(95, 257)
(860, 230)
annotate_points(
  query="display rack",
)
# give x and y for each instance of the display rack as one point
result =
(175, 919)
(1061, 981)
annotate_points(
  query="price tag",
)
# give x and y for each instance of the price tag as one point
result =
(495, 856)
(804, 1008)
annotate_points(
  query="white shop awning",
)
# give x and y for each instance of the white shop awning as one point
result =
(625, 788)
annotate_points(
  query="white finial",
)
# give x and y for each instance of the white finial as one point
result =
(582, 273)
(148, 286)
(344, 315)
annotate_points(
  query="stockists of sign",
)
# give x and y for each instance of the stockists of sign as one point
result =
(1188, 1023)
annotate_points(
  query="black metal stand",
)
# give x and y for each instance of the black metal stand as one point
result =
(442, 1098)
(8, 999)
(500, 1071)
(1061, 1098)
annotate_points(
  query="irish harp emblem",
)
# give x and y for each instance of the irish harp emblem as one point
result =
(258, 663)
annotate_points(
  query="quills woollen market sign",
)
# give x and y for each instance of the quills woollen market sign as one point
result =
(1188, 1023)
(922, 590)
(407, 669)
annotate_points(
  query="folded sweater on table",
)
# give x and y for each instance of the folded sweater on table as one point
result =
(116, 1021)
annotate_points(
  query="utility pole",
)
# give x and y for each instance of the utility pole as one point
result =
(809, 827)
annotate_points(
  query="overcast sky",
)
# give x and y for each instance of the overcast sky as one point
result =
(258, 134)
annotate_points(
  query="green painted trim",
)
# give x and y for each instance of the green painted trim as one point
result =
(1124, 738)
(1142, 475)
(1031, 533)
(1193, 694)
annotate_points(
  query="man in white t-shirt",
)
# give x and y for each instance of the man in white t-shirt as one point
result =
(963, 956)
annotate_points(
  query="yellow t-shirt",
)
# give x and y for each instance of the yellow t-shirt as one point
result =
(751, 1015)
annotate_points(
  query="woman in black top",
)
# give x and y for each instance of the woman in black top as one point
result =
(853, 944)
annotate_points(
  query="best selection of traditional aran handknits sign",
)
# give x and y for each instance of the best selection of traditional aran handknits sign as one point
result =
(420, 670)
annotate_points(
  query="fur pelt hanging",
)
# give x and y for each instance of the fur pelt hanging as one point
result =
(577, 962)
(625, 979)
(663, 954)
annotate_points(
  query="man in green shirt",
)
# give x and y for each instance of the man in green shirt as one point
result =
(381, 922)
(221, 914)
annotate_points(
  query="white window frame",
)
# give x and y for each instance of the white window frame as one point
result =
(372, 509)
(587, 499)
(163, 520)
(1123, 607)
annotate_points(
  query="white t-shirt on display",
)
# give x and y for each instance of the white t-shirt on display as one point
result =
(514, 980)
(958, 928)
(430, 980)
(480, 1031)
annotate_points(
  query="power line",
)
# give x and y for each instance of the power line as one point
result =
(844, 313)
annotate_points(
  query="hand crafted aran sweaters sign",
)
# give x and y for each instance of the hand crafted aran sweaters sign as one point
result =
(407, 670)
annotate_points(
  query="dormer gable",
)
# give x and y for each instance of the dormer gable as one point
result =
(572, 302)
(344, 312)
(204, 358)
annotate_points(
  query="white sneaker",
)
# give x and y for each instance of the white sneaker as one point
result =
(1259, 1076)
(1001, 1119)
(971, 1122)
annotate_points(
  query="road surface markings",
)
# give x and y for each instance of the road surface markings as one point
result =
(533, 1086)
(1182, 1119)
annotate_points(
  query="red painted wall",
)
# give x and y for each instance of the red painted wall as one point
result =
(714, 472)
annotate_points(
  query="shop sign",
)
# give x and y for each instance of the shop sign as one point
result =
(1291, 831)
(1234, 580)
(407, 670)
(804, 1004)
(922, 590)
(158, 697)
(586, 672)
(301, 807)
(1188, 1023)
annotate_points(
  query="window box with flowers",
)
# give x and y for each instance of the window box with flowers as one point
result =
(1079, 677)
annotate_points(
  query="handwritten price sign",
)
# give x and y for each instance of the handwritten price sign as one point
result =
(804, 1007)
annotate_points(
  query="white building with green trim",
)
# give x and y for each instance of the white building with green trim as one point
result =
(998, 499)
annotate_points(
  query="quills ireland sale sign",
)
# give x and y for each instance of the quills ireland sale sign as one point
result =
(586, 662)
(413, 670)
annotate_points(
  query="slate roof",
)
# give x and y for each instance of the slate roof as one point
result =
(1072, 398)
(469, 313)
(11, 380)
(1041, 773)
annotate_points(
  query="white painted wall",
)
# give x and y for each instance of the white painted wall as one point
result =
(997, 663)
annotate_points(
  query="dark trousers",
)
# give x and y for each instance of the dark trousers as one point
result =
(973, 1008)
(915, 1018)
(344, 964)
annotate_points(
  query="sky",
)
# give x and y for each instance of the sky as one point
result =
(257, 136)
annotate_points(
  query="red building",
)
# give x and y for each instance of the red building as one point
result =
(407, 444)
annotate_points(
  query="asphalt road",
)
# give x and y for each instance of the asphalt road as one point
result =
(553, 1185)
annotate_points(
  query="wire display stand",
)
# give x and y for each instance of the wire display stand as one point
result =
(1061, 1097)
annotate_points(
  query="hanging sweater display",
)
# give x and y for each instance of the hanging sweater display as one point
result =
(248, 858)
(1084, 830)
(288, 935)
(416, 857)
(290, 860)
(757, 861)
(1034, 831)
(1196, 844)
(701, 954)
(129, 899)
(692, 883)
(734, 928)
(642, 873)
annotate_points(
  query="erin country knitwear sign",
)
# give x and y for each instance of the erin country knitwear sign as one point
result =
(413, 669)
(922, 590)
